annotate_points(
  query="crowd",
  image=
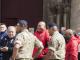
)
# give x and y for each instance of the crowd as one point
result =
(49, 42)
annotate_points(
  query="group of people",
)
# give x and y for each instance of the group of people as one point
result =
(47, 43)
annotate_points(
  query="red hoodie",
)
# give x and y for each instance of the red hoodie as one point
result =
(44, 38)
(72, 49)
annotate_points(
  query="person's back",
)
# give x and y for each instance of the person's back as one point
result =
(71, 45)
(58, 42)
(56, 45)
(27, 46)
(72, 49)
(25, 43)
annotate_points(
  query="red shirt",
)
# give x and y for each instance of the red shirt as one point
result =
(72, 49)
(44, 38)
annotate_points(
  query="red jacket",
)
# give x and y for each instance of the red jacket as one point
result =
(78, 37)
(72, 49)
(44, 38)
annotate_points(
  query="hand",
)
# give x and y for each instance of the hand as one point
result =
(49, 55)
(11, 58)
(4, 49)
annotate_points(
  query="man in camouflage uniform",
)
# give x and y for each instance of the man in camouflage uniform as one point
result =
(56, 45)
(25, 43)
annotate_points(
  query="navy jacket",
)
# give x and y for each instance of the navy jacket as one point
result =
(9, 42)
(2, 36)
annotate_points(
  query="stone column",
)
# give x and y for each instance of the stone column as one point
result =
(58, 15)
(75, 14)
(65, 17)
(58, 19)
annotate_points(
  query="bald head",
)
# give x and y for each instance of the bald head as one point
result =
(41, 26)
(11, 31)
(42, 23)
(11, 28)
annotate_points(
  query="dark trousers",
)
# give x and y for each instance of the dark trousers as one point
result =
(79, 56)
(39, 59)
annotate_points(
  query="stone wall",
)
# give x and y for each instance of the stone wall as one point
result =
(75, 14)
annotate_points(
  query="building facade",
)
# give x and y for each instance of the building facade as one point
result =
(63, 12)
(75, 14)
(58, 11)
(13, 10)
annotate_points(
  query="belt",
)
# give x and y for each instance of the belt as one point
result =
(23, 59)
